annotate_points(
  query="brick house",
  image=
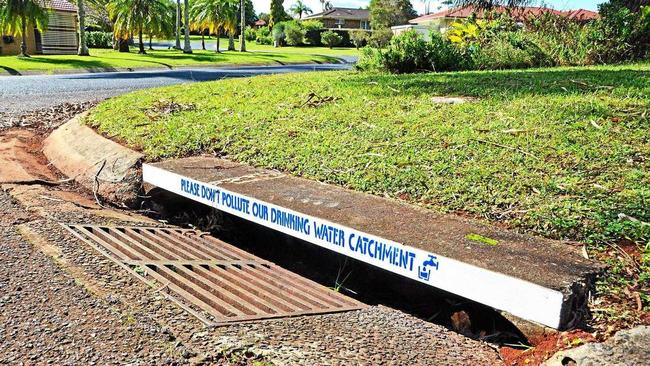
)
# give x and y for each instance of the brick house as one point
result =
(343, 18)
(60, 37)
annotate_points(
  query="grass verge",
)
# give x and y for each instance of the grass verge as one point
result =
(253, 46)
(110, 60)
(563, 153)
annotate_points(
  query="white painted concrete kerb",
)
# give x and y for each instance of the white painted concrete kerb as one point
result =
(521, 298)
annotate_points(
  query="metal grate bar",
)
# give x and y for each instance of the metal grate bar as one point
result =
(220, 279)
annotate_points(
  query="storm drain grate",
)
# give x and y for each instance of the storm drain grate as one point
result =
(224, 281)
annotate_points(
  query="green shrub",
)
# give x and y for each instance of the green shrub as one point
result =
(370, 59)
(447, 57)
(263, 36)
(313, 30)
(99, 39)
(620, 34)
(331, 39)
(250, 34)
(294, 34)
(359, 37)
(408, 52)
(511, 50)
(380, 38)
(345, 38)
(278, 34)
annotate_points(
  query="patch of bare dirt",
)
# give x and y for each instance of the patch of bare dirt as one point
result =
(544, 348)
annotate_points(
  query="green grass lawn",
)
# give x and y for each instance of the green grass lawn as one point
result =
(109, 60)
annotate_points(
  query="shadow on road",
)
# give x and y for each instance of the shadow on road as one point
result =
(10, 70)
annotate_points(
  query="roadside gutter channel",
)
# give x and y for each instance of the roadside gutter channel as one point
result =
(542, 281)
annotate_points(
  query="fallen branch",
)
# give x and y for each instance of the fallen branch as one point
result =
(96, 183)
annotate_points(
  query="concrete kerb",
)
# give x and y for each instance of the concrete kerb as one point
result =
(107, 168)
(540, 280)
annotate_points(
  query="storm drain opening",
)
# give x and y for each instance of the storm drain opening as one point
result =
(220, 279)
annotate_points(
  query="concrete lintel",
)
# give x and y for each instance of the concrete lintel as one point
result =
(536, 279)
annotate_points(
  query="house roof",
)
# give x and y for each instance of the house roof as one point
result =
(582, 14)
(61, 5)
(260, 23)
(518, 13)
(342, 13)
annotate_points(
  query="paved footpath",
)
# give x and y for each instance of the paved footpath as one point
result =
(20, 94)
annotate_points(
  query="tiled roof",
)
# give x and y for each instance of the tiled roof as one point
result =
(61, 5)
(518, 13)
(342, 13)
(582, 14)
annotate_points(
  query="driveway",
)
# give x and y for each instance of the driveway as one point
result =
(28, 93)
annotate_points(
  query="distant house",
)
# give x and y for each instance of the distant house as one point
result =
(343, 18)
(260, 23)
(60, 38)
(441, 21)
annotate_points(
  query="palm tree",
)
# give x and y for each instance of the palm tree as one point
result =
(300, 8)
(160, 21)
(215, 16)
(177, 30)
(242, 24)
(187, 48)
(17, 15)
(131, 17)
(199, 24)
(81, 16)
(229, 12)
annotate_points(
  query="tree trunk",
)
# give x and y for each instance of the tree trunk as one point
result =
(203, 40)
(187, 48)
(81, 15)
(141, 41)
(218, 39)
(150, 42)
(23, 43)
(242, 35)
(178, 25)
(123, 45)
(231, 41)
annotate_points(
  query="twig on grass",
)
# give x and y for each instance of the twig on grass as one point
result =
(506, 147)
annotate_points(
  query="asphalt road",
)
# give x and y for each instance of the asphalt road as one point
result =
(20, 94)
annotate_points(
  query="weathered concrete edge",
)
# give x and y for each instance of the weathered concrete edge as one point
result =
(100, 165)
(521, 298)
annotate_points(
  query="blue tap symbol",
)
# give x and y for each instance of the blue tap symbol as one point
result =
(424, 271)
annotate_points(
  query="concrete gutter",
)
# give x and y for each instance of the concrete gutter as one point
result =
(100, 165)
(539, 280)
